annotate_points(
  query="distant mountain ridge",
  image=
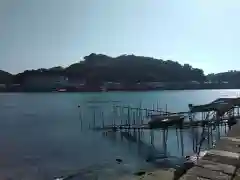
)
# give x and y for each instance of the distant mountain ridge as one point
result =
(98, 68)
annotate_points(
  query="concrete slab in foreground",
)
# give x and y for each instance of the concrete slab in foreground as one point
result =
(220, 163)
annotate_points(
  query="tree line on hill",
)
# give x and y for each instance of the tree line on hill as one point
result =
(230, 76)
(5, 77)
(99, 68)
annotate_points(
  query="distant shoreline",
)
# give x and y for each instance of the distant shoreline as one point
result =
(126, 90)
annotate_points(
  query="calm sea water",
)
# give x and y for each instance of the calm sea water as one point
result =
(41, 135)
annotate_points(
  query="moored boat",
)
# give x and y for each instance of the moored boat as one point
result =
(157, 121)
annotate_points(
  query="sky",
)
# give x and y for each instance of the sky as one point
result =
(45, 33)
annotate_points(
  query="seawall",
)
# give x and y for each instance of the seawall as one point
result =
(220, 163)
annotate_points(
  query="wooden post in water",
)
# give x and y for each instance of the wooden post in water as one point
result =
(134, 118)
(103, 124)
(140, 117)
(121, 114)
(194, 140)
(80, 116)
(177, 138)
(166, 108)
(208, 135)
(140, 114)
(129, 116)
(211, 136)
(126, 118)
(182, 144)
(114, 117)
(118, 115)
(146, 113)
(218, 130)
(94, 118)
(137, 116)
(164, 142)
(139, 140)
(152, 137)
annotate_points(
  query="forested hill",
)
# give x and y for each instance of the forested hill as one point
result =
(230, 76)
(130, 68)
(125, 68)
(5, 77)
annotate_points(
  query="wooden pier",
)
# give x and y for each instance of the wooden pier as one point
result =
(215, 113)
(184, 125)
(221, 163)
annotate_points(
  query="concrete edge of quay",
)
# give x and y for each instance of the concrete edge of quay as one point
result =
(220, 163)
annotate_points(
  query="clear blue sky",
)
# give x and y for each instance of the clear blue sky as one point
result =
(46, 33)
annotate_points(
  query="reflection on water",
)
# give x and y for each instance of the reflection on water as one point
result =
(152, 145)
(155, 153)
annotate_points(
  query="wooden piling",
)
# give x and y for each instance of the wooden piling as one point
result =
(208, 136)
(115, 116)
(134, 118)
(103, 123)
(129, 116)
(152, 137)
(146, 113)
(164, 142)
(94, 118)
(121, 114)
(194, 140)
(80, 117)
(182, 143)
(166, 109)
(177, 138)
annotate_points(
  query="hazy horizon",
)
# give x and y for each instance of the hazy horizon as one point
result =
(42, 34)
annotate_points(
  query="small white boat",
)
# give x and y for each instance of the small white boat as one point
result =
(158, 120)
